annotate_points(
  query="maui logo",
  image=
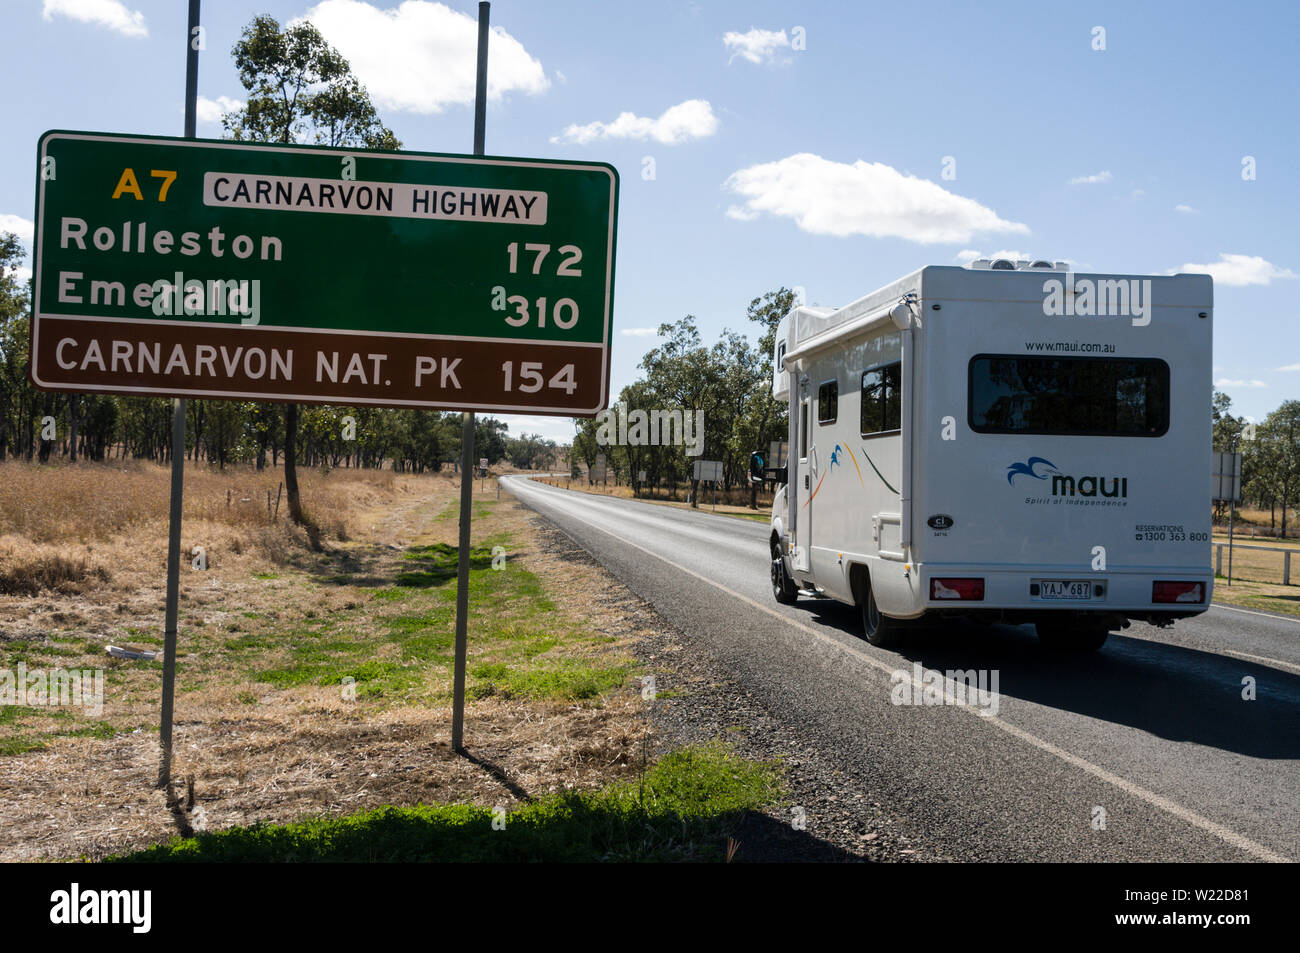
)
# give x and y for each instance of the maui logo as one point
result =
(1064, 485)
(1027, 469)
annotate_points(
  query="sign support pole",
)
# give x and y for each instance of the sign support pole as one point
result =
(178, 456)
(1233, 493)
(467, 433)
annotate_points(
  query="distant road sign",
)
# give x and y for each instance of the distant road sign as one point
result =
(707, 470)
(640, 476)
(777, 453)
(1225, 481)
(482, 463)
(598, 471)
(210, 268)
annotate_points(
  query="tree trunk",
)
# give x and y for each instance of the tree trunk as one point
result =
(74, 421)
(291, 462)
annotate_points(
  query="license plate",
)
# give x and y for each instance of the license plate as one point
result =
(1064, 589)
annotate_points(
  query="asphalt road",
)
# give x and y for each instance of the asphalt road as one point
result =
(1153, 730)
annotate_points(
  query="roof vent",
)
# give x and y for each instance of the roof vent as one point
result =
(1006, 264)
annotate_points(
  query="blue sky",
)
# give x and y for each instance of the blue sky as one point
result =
(828, 146)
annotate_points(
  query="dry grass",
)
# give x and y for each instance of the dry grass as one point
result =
(74, 783)
(26, 568)
(84, 502)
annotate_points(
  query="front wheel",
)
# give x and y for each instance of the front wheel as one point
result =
(879, 628)
(1071, 637)
(784, 588)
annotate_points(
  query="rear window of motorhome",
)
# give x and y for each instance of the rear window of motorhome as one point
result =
(881, 399)
(828, 402)
(1083, 396)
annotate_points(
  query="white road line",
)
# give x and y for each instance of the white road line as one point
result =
(1262, 658)
(1240, 841)
(1266, 615)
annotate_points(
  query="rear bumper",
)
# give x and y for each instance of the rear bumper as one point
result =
(1019, 590)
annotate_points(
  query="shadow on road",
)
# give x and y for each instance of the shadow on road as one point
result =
(1174, 692)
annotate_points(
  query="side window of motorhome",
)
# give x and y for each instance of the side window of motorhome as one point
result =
(1082, 396)
(803, 430)
(881, 399)
(828, 402)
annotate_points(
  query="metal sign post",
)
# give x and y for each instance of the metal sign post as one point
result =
(191, 268)
(467, 435)
(1227, 487)
(178, 459)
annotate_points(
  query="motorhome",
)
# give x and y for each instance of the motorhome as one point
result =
(1008, 441)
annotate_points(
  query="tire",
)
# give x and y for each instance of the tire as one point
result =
(784, 588)
(879, 629)
(1070, 637)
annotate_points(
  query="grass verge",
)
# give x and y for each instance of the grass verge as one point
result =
(683, 809)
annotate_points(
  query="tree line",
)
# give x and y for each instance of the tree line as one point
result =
(1270, 457)
(730, 382)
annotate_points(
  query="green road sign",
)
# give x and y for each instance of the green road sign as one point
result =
(208, 268)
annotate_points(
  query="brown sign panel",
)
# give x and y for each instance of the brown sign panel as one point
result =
(203, 360)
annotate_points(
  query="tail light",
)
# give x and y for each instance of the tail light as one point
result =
(949, 588)
(1178, 592)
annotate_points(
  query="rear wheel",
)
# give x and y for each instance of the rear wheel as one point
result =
(1063, 636)
(784, 588)
(879, 628)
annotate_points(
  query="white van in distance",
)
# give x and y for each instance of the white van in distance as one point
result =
(1009, 442)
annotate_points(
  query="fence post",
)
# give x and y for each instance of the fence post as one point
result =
(1218, 559)
(1286, 568)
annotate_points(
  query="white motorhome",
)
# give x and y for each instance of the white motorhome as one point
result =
(1008, 441)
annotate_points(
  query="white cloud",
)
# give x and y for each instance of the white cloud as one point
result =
(24, 228)
(1225, 382)
(1095, 179)
(1238, 270)
(860, 198)
(1185, 209)
(640, 332)
(110, 13)
(693, 119)
(420, 57)
(1290, 367)
(756, 46)
(211, 110)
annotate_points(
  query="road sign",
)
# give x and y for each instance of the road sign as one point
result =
(640, 476)
(598, 471)
(777, 453)
(482, 463)
(1225, 481)
(210, 268)
(707, 470)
